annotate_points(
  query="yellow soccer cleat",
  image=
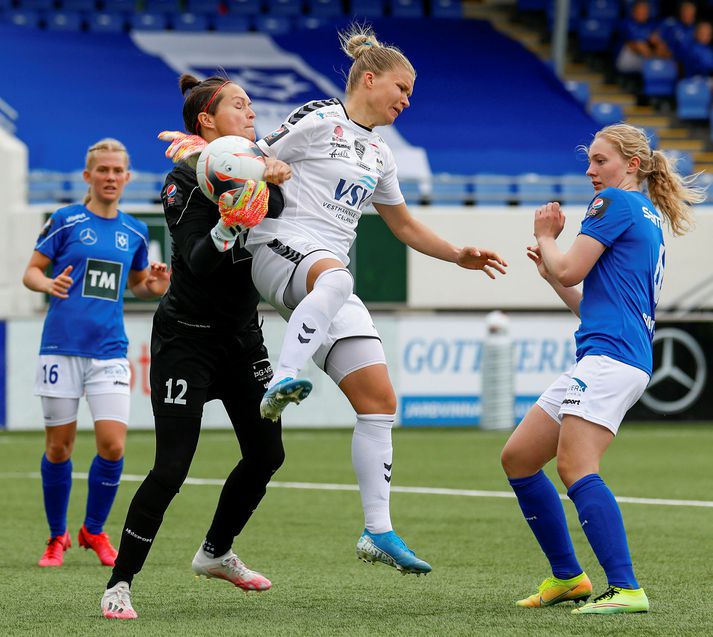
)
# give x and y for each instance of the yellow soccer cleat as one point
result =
(555, 591)
(616, 600)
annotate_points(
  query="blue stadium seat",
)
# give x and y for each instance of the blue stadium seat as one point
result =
(693, 98)
(493, 190)
(143, 187)
(78, 5)
(244, 7)
(606, 113)
(532, 5)
(209, 7)
(188, 21)
(232, 23)
(312, 22)
(575, 189)
(64, 21)
(35, 5)
(594, 35)
(411, 190)
(450, 191)
(578, 90)
(24, 18)
(290, 8)
(149, 21)
(106, 22)
(659, 77)
(325, 8)
(46, 186)
(603, 9)
(367, 8)
(533, 189)
(446, 9)
(407, 8)
(124, 6)
(273, 24)
(162, 6)
(682, 160)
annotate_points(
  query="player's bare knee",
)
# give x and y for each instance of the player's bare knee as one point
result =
(59, 450)
(112, 451)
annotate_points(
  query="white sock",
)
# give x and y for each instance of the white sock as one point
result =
(371, 459)
(310, 321)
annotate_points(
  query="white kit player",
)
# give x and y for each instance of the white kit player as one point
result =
(339, 166)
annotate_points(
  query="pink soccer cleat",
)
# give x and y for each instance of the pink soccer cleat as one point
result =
(99, 543)
(116, 602)
(54, 553)
(230, 568)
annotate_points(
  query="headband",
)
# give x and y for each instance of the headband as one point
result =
(208, 103)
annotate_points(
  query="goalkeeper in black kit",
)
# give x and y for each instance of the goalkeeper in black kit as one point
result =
(206, 342)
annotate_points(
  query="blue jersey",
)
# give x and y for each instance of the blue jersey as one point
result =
(621, 291)
(90, 322)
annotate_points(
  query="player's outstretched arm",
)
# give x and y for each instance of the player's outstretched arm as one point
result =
(36, 280)
(149, 283)
(407, 229)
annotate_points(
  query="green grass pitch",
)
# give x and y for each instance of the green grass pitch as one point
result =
(482, 552)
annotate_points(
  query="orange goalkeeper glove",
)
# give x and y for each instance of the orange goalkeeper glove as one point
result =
(182, 146)
(250, 207)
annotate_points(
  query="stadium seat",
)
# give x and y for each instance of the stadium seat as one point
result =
(367, 8)
(188, 21)
(594, 35)
(446, 9)
(531, 5)
(606, 113)
(143, 187)
(325, 8)
(609, 10)
(64, 21)
(78, 5)
(46, 186)
(273, 24)
(493, 190)
(682, 160)
(693, 98)
(411, 190)
(578, 90)
(148, 21)
(533, 189)
(232, 23)
(106, 22)
(407, 8)
(659, 77)
(24, 18)
(163, 6)
(124, 6)
(450, 190)
(35, 5)
(312, 22)
(290, 8)
(576, 189)
(244, 7)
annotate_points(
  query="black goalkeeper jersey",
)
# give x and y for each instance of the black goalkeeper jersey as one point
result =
(210, 290)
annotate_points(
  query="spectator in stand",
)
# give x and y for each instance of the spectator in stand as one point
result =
(697, 59)
(677, 32)
(640, 40)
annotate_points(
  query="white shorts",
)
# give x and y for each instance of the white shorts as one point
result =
(598, 389)
(280, 273)
(74, 376)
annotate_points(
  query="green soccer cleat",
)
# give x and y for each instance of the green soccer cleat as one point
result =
(616, 600)
(555, 591)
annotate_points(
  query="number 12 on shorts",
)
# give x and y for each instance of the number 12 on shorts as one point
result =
(181, 387)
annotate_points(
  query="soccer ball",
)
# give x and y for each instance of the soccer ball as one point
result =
(226, 164)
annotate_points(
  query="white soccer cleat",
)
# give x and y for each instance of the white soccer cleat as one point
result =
(277, 397)
(116, 602)
(230, 568)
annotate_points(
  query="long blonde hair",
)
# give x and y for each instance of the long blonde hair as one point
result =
(673, 194)
(108, 143)
(359, 43)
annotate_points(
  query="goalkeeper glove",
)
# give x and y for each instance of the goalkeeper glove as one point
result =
(182, 146)
(250, 207)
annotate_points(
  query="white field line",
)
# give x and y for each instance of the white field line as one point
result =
(326, 486)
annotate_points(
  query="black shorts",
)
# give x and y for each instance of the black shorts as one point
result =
(189, 368)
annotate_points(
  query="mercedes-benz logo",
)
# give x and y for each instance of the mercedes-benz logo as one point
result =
(88, 237)
(674, 389)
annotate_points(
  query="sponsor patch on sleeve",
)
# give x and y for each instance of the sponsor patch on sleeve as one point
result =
(45, 229)
(275, 135)
(171, 195)
(598, 207)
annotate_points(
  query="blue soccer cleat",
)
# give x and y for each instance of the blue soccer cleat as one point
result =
(390, 549)
(288, 390)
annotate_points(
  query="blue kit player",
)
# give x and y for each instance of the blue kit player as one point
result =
(94, 250)
(620, 256)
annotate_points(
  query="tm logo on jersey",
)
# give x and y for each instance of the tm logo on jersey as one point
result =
(102, 279)
(355, 194)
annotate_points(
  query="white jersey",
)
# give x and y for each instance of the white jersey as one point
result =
(337, 166)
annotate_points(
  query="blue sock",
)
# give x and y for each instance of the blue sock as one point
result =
(603, 525)
(56, 485)
(543, 510)
(104, 478)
